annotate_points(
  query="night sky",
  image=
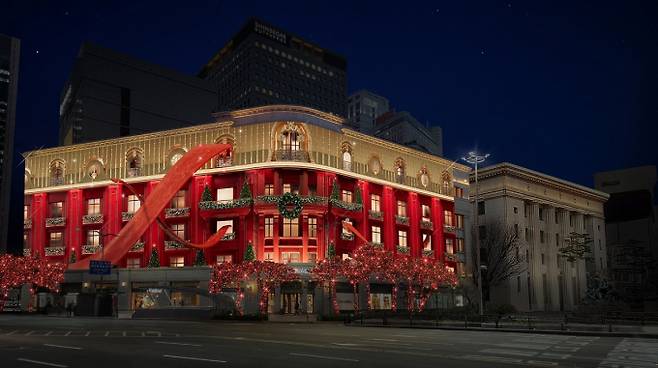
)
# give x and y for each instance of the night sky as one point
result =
(566, 88)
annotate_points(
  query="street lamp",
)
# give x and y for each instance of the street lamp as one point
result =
(474, 159)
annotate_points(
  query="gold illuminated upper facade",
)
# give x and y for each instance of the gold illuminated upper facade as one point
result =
(268, 136)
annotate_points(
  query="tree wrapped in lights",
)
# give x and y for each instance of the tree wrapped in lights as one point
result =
(327, 272)
(268, 276)
(17, 271)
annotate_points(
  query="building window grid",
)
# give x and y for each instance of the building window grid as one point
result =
(93, 206)
(447, 218)
(269, 227)
(290, 227)
(402, 238)
(179, 200)
(375, 201)
(426, 213)
(402, 208)
(346, 196)
(56, 209)
(312, 227)
(93, 237)
(133, 203)
(376, 234)
(56, 239)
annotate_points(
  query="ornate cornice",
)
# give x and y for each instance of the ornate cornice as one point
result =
(263, 110)
(507, 169)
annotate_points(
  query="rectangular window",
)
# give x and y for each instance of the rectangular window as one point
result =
(600, 248)
(557, 216)
(450, 246)
(427, 241)
(93, 237)
(481, 209)
(345, 230)
(177, 261)
(459, 221)
(402, 238)
(525, 210)
(459, 192)
(290, 227)
(287, 188)
(93, 206)
(571, 220)
(376, 234)
(26, 241)
(460, 245)
(425, 211)
(269, 189)
(179, 230)
(222, 223)
(269, 227)
(224, 258)
(133, 263)
(133, 203)
(527, 234)
(26, 213)
(542, 258)
(518, 284)
(447, 218)
(541, 236)
(269, 256)
(374, 202)
(56, 240)
(541, 214)
(402, 208)
(179, 200)
(346, 196)
(483, 232)
(516, 210)
(56, 209)
(290, 257)
(312, 257)
(225, 195)
(312, 227)
(516, 230)
(557, 239)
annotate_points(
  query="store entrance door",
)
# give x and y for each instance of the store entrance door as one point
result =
(291, 303)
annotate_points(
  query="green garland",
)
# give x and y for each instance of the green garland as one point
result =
(290, 199)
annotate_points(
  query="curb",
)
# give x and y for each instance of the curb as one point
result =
(532, 331)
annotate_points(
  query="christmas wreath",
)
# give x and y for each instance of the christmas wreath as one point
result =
(287, 200)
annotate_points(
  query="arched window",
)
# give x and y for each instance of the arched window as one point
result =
(134, 162)
(95, 168)
(57, 172)
(399, 170)
(175, 154)
(347, 156)
(424, 177)
(224, 159)
(291, 142)
(446, 183)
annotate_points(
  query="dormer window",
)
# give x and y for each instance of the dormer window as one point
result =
(134, 162)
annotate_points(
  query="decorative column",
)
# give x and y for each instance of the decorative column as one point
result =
(389, 206)
(364, 226)
(112, 207)
(413, 207)
(73, 233)
(154, 237)
(304, 225)
(536, 294)
(275, 240)
(39, 214)
(319, 240)
(259, 242)
(438, 236)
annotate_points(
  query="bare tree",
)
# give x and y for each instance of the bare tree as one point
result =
(500, 254)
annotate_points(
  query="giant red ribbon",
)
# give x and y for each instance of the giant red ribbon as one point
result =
(156, 202)
(347, 226)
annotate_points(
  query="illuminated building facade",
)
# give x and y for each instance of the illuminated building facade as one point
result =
(395, 196)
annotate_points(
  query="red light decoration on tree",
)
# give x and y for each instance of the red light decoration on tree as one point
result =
(18, 271)
(268, 276)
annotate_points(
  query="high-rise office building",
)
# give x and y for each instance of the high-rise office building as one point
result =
(632, 233)
(9, 59)
(264, 65)
(110, 95)
(370, 113)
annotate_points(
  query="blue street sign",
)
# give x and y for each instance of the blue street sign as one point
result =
(100, 267)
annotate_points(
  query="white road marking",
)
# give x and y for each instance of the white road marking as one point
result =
(323, 357)
(68, 333)
(11, 333)
(525, 353)
(42, 363)
(344, 344)
(632, 353)
(63, 346)
(489, 358)
(48, 333)
(29, 333)
(404, 335)
(555, 355)
(88, 333)
(524, 346)
(565, 348)
(388, 340)
(124, 333)
(176, 343)
(193, 358)
(540, 362)
(107, 333)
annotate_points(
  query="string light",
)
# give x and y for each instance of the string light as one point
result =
(33, 271)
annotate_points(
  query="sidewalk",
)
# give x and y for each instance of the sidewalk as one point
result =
(575, 329)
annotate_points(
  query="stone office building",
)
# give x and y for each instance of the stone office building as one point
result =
(543, 211)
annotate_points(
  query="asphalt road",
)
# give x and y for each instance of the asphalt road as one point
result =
(34, 341)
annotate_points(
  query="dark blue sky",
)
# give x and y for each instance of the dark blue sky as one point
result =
(567, 88)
